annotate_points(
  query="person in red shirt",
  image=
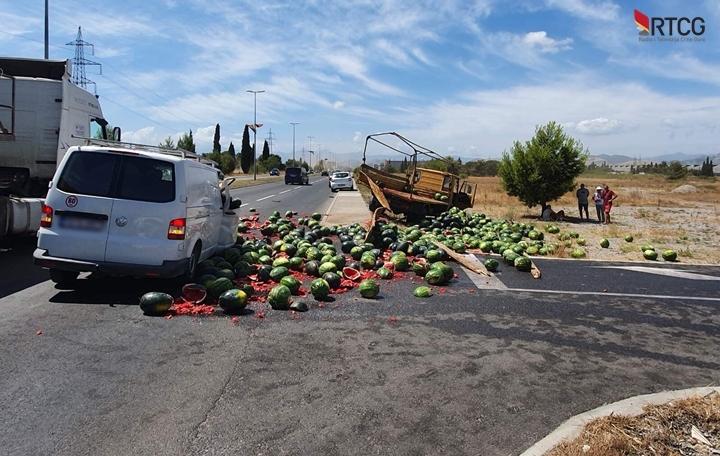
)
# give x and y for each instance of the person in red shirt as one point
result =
(608, 197)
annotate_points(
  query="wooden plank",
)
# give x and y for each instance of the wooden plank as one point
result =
(473, 264)
(377, 192)
(534, 270)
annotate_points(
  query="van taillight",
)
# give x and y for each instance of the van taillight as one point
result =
(176, 230)
(47, 215)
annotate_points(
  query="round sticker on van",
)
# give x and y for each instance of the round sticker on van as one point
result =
(71, 201)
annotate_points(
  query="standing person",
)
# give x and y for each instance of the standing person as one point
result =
(599, 203)
(608, 197)
(582, 197)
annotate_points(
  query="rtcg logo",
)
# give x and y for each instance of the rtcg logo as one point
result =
(668, 26)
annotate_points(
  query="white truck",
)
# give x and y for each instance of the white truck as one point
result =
(42, 114)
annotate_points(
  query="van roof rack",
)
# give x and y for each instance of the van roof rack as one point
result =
(157, 149)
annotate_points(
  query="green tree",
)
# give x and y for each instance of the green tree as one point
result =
(676, 170)
(227, 163)
(544, 168)
(186, 142)
(168, 143)
(216, 139)
(246, 152)
(231, 150)
(266, 151)
(707, 168)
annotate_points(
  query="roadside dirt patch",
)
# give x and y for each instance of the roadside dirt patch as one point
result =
(686, 427)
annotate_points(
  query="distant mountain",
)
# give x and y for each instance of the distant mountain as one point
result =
(609, 159)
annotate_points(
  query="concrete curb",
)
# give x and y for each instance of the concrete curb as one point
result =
(632, 406)
(668, 264)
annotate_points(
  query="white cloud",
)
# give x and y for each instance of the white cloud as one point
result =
(352, 66)
(614, 118)
(338, 104)
(540, 40)
(145, 135)
(599, 126)
(676, 65)
(587, 9)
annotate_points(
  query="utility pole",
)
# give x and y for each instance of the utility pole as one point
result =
(47, 31)
(293, 124)
(255, 127)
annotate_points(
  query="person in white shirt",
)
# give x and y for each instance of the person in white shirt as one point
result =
(599, 203)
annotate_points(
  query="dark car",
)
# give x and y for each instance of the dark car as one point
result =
(296, 175)
(274, 172)
(324, 173)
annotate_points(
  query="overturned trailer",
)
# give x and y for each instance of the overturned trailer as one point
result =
(418, 191)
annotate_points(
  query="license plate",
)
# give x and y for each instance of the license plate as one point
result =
(81, 223)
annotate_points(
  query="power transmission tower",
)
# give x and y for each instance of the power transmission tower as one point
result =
(270, 140)
(80, 62)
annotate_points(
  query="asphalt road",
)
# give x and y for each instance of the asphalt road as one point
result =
(467, 371)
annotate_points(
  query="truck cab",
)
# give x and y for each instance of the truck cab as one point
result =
(42, 114)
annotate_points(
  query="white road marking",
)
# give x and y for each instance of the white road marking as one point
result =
(621, 295)
(483, 282)
(285, 191)
(665, 272)
(244, 204)
(265, 197)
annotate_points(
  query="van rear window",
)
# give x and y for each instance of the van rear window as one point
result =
(88, 173)
(119, 176)
(292, 171)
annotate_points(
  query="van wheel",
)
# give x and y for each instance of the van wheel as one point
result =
(189, 274)
(63, 278)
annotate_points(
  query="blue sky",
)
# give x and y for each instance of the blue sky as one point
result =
(462, 77)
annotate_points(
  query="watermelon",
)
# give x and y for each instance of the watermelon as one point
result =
(523, 264)
(491, 264)
(604, 243)
(369, 289)
(351, 273)
(650, 255)
(232, 255)
(311, 268)
(435, 277)
(316, 216)
(206, 279)
(278, 273)
(320, 289)
(248, 289)
(281, 262)
(385, 273)
(669, 255)
(446, 271)
(327, 267)
(219, 286)
(263, 274)
(333, 279)
(422, 292)
(401, 262)
(233, 301)
(227, 273)
(296, 263)
(367, 260)
(578, 253)
(580, 241)
(292, 283)
(628, 238)
(242, 269)
(433, 255)
(155, 303)
(420, 268)
(279, 298)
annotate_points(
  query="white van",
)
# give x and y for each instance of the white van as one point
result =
(133, 211)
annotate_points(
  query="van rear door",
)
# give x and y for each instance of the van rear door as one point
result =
(82, 205)
(145, 204)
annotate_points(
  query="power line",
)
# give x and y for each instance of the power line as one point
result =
(80, 62)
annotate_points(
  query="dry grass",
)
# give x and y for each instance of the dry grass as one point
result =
(646, 208)
(244, 182)
(659, 430)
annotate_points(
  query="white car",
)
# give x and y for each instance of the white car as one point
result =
(133, 211)
(340, 180)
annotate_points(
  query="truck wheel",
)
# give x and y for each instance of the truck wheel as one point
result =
(63, 278)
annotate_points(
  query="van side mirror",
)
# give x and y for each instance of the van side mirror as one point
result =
(116, 134)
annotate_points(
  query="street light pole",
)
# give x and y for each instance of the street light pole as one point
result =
(255, 127)
(47, 31)
(293, 124)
